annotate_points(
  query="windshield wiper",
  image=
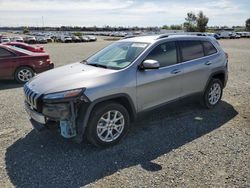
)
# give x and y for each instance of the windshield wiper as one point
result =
(97, 65)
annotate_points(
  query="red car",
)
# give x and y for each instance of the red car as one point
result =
(22, 65)
(25, 46)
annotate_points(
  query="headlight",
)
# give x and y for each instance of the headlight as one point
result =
(64, 94)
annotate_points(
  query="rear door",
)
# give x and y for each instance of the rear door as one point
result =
(157, 86)
(195, 65)
(7, 59)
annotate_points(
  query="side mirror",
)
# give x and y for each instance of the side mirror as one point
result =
(150, 64)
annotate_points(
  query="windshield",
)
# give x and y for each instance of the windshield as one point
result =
(118, 55)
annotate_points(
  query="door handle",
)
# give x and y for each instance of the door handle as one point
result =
(175, 71)
(208, 63)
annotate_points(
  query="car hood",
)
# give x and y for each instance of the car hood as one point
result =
(73, 76)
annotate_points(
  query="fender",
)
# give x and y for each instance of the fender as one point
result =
(86, 109)
(213, 74)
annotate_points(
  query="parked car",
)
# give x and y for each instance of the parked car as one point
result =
(243, 34)
(84, 38)
(41, 40)
(30, 40)
(232, 35)
(237, 36)
(101, 96)
(224, 34)
(57, 38)
(25, 46)
(49, 39)
(66, 39)
(92, 38)
(76, 39)
(216, 36)
(22, 65)
(4, 39)
(17, 39)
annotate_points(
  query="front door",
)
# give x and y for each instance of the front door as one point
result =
(157, 86)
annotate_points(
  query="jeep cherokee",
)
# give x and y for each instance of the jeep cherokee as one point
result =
(100, 96)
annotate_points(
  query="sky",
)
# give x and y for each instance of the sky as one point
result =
(120, 12)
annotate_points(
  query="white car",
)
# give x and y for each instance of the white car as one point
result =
(244, 34)
(225, 34)
(66, 39)
(5, 39)
(84, 38)
(17, 39)
(92, 38)
(30, 39)
(216, 36)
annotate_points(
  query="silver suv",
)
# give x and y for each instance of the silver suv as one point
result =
(100, 96)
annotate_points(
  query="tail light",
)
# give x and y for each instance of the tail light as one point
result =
(48, 61)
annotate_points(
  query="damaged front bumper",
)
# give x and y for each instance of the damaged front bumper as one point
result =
(59, 114)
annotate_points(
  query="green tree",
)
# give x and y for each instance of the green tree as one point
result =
(165, 27)
(26, 30)
(190, 23)
(175, 27)
(202, 21)
(248, 24)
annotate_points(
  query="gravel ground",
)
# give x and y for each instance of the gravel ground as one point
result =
(176, 146)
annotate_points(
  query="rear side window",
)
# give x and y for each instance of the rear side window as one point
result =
(165, 54)
(5, 53)
(191, 50)
(209, 48)
(18, 46)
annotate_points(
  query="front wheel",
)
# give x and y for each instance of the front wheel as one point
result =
(213, 93)
(23, 74)
(109, 122)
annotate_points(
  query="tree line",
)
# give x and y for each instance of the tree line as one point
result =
(193, 23)
(198, 23)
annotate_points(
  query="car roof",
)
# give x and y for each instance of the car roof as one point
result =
(155, 38)
(18, 43)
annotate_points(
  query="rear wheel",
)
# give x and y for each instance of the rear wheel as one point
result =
(213, 93)
(109, 122)
(23, 74)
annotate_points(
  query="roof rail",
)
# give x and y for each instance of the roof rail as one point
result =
(167, 35)
(162, 36)
(185, 33)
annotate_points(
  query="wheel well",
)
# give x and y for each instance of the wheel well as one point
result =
(123, 101)
(221, 77)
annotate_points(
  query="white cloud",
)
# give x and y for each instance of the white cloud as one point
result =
(31, 5)
(119, 12)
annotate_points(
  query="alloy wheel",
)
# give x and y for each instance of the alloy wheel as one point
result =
(110, 126)
(214, 93)
(24, 75)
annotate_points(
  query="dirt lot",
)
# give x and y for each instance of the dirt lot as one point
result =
(177, 146)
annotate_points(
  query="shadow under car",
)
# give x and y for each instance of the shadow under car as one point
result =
(47, 160)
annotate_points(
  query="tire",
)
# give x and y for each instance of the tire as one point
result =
(104, 115)
(213, 93)
(24, 74)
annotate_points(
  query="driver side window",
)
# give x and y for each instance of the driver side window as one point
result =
(165, 54)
